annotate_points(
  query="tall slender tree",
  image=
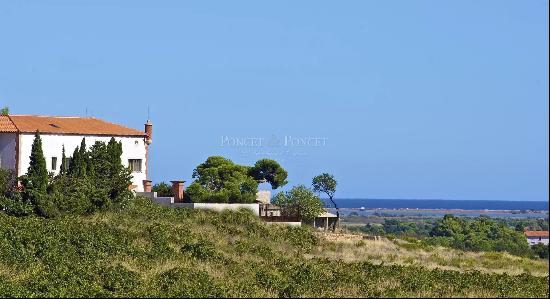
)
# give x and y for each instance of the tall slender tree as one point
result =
(84, 158)
(63, 167)
(37, 172)
(75, 162)
(325, 183)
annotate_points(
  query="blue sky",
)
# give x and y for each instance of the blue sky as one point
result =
(397, 99)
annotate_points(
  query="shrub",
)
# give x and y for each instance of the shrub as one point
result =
(163, 189)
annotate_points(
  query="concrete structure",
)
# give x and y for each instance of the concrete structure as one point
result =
(325, 221)
(17, 136)
(536, 237)
(172, 202)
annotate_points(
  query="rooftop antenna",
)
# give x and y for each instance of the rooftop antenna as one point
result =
(148, 118)
(86, 112)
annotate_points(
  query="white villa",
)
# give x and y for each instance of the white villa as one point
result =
(536, 237)
(17, 135)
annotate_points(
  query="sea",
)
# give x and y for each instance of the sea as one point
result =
(441, 207)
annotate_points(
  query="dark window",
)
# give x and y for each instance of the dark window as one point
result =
(54, 163)
(135, 165)
(67, 162)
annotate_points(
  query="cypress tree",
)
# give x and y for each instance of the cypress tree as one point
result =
(37, 171)
(63, 167)
(75, 161)
(83, 154)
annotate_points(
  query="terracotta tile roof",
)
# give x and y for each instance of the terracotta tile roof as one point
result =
(536, 233)
(6, 125)
(64, 125)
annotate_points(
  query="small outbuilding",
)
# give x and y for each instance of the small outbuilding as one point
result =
(325, 221)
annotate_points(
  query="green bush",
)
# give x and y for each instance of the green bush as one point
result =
(95, 180)
(540, 250)
(481, 234)
(163, 190)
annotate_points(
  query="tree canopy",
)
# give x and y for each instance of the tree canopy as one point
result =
(325, 183)
(480, 234)
(220, 180)
(299, 201)
(37, 173)
(270, 171)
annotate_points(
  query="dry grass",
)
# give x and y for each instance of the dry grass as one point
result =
(404, 253)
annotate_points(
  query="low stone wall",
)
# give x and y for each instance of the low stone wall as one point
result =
(286, 223)
(228, 206)
(218, 207)
(169, 202)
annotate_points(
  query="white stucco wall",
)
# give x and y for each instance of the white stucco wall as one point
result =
(7, 150)
(228, 206)
(132, 148)
(536, 240)
(286, 223)
(218, 207)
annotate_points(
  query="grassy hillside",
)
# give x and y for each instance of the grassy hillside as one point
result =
(146, 250)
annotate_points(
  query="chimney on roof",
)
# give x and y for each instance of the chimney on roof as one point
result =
(177, 190)
(149, 132)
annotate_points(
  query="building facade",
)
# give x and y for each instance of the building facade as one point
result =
(536, 237)
(17, 136)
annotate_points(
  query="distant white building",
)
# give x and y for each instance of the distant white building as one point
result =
(535, 237)
(17, 135)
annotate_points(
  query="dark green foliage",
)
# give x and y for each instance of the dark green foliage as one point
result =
(138, 252)
(220, 180)
(7, 181)
(270, 171)
(80, 161)
(393, 226)
(162, 189)
(325, 183)
(96, 180)
(299, 201)
(471, 234)
(540, 250)
(481, 234)
(37, 173)
(5, 111)
(63, 167)
(189, 283)
(14, 204)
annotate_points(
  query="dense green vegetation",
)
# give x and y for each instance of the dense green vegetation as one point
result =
(145, 250)
(95, 179)
(269, 171)
(300, 202)
(469, 234)
(220, 180)
(162, 189)
(481, 234)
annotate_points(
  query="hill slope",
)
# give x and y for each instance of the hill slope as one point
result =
(147, 250)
